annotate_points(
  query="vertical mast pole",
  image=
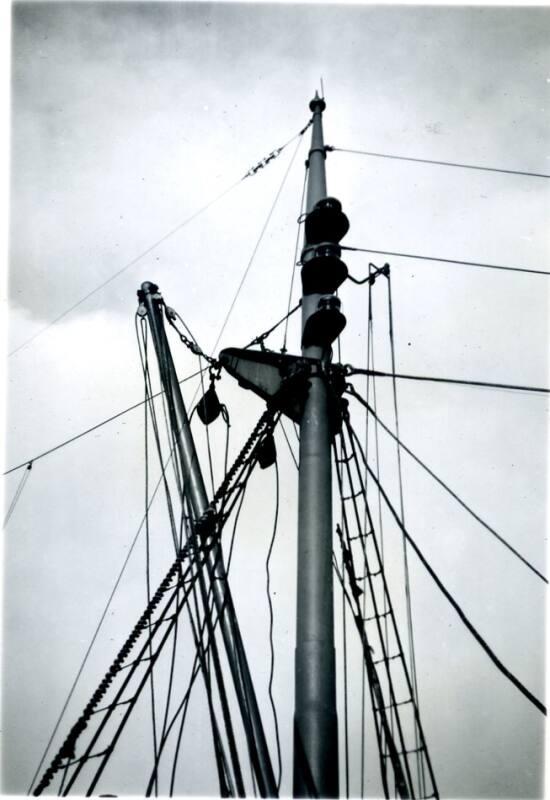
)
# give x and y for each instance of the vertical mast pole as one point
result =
(315, 718)
(195, 494)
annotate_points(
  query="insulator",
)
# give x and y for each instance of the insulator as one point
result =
(325, 324)
(326, 222)
(209, 407)
(267, 452)
(323, 271)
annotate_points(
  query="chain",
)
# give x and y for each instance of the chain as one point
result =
(191, 345)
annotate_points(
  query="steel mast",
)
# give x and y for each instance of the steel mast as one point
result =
(315, 717)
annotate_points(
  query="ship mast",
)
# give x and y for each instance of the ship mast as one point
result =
(315, 717)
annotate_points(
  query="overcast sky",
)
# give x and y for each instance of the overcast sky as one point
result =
(126, 119)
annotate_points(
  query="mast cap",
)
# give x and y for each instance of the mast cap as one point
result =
(317, 104)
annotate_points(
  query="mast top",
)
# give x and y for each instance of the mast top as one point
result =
(317, 104)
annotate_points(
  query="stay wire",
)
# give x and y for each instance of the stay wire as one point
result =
(332, 149)
(477, 636)
(127, 266)
(351, 370)
(291, 451)
(94, 427)
(271, 622)
(446, 260)
(18, 492)
(408, 600)
(257, 245)
(350, 390)
(263, 336)
(144, 253)
(96, 632)
(295, 259)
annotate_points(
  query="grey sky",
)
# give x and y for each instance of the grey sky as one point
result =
(126, 118)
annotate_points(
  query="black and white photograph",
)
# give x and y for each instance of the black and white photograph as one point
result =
(276, 395)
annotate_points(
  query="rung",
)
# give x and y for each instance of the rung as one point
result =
(394, 705)
(406, 752)
(377, 616)
(86, 758)
(387, 658)
(105, 708)
(361, 536)
(352, 496)
(135, 661)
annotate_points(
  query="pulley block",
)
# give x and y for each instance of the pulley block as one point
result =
(209, 407)
(325, 324)
(323, 271)
(267, 452)
(326, 222)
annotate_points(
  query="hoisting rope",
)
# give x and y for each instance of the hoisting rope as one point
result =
(477, 636)
(202, 539)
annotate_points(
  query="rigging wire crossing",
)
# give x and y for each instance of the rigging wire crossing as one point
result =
(332, 149)
(477, 636)
(158, 242)
(96, 426)
(351, 391)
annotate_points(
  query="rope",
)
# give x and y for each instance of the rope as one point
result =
(477, 636)
(94, 427)
(447, 488)
(18, 492)
(447, 260)
(440, 163)
(271, 620)
(350, 370)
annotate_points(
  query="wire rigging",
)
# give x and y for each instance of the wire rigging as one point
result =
(477, 636)
(295, 259)
(332, 149)
(412, 655)
(271, 621)
(96, 426)
(446, 260)
(258, 242)
(18, 492)
(350, 390)
(96, 631)
(158, 242)
(350, 370)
